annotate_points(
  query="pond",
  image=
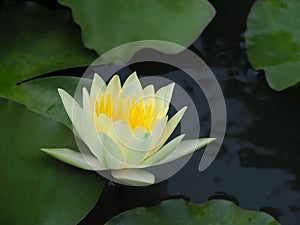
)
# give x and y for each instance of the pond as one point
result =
(258, 165)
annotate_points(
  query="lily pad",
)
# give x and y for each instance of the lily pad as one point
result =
(36, 40)
(107, 24)
(213, 212)
(41, 95)
(36, 189)
(273, 40)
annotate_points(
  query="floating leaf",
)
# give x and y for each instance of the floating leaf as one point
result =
(41, 95)
(213, 212)
(36, 40)
(273, 40)
(107, 24)
(36, 189)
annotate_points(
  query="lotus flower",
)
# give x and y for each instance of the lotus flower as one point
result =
(125, 129)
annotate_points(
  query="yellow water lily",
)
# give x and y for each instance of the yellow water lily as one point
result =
(125, 129)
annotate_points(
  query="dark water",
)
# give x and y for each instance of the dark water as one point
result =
(259, 163)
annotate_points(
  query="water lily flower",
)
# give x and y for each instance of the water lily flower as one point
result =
(125, 129)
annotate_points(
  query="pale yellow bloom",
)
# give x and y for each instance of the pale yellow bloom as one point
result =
(125, 128)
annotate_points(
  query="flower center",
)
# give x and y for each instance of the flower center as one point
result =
(141, 114)
(135, 113)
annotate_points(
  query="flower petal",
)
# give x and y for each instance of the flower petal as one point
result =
(127, 140)
(114, 158)
(163, 98)
(74, 158)
(134, 177)
(174, 121)
(165, 151)
(132, 86)
(122, 133)
(86, 103)
(131, 145)
(141, 141)
(157, 132)
(149, 91)
(82, 124)
(98, 87)
(114, 88)
(186, 147)
(170, 127)
(168, 93)
(103, 124)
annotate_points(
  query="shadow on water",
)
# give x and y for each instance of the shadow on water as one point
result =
(258, 164)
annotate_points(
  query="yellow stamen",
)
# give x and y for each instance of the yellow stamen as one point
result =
(134, 113)
(141, 115)
(104, 105)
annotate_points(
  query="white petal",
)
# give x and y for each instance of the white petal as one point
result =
(82, 124)
(186, 147)
(149, 95)
(163, 99)
(98, 87)
(149, 91)
(136, 131)
(114, 158)
(132, 86)
(126, 139)
(168, 93)
(170, 127)
(141, 142)
(134, 177)
(174, 121)
(131, 144)
(114, 87)
(157, 132)
(74, 158)
(165, 151)
(67, 101)
(122, 133)
(103, 124)
(86, 102)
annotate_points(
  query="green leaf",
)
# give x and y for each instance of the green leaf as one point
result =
(41, 95)
(213, 212)
(273, 39)
(36, 189)
(36, 40)
(107, 24)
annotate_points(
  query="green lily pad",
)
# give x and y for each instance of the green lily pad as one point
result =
(213, 212)
(273, 40)
(41, 96)
(107, 24)
(36, 189)
(36, 40)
